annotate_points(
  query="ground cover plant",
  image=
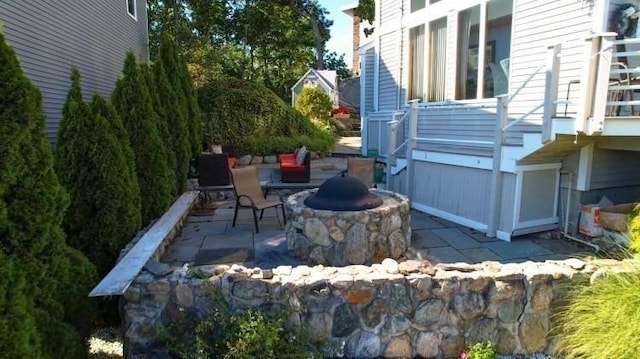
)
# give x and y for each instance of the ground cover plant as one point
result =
(256, 121)
(236, 334)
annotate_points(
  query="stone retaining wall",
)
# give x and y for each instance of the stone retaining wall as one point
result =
(389, 309)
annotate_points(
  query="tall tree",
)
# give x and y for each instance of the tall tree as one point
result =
(334, 62)
(44, 297)
(271, 42)
(316, 16)
(133, 103)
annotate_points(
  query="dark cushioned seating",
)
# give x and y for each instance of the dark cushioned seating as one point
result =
(213, 169)
(291, 171)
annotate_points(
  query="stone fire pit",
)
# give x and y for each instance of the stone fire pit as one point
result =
(340, 238)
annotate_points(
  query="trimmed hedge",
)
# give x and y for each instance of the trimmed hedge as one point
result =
(134, 105)
(44, 311)
(256, 121)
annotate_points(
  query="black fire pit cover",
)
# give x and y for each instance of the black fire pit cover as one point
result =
(343, 194)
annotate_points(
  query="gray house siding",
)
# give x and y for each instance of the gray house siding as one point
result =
(452, 189)
(613, 168)
(51, 37)
(538, 24)
(369, 68)
(387, 72)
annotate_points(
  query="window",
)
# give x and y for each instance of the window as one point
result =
(416, 63)
(493, 81)
(437, 59)
(131, 8)
(417, 5)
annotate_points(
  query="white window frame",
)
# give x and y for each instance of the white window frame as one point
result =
(135, 9)
(449, 9)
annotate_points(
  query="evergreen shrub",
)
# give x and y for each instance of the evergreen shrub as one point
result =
(134, 105)
(95, 169)
(174, 104)
(43, 282)
(186, 96)
(163, 125)
(256, 121)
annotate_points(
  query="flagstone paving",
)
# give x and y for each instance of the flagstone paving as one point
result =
(212, 240)
(208, 236)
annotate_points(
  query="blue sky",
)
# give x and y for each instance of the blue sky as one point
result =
(341, 30)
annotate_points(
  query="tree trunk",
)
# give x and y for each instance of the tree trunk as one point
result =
(319, 46)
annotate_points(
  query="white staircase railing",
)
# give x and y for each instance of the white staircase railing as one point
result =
(394, 149)
(500, 134)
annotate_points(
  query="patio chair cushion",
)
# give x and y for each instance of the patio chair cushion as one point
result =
(291, 171)
(300, 154)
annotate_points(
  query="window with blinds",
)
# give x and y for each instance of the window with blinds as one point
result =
(437, 60)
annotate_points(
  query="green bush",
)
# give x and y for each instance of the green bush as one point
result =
(175, 122)
(134, 105)
(602, 320)
(43, 282)
(95, 169)
(242, 113)
(480, 351)
(314, 103)
(163, 125)
(243, 334)
(186, 97)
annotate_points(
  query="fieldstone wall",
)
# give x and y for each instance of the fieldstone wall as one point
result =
(340, 238)
(392, 309)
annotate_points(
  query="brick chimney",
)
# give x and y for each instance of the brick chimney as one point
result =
(355, 62)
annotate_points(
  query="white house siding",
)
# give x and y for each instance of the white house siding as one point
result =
(52, 36)
(538, 24)
(390, 14)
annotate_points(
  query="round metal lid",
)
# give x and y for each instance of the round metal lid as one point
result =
(343, 194)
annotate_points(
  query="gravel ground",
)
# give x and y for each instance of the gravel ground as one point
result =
(105, 343)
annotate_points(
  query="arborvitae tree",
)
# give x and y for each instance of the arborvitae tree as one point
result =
(16, 324)
(50, 280)
(133, 103)
(104, 213)
(176, 124)
(163, 126)
(181, 82)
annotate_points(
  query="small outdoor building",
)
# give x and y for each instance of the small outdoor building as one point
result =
(326, 79)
